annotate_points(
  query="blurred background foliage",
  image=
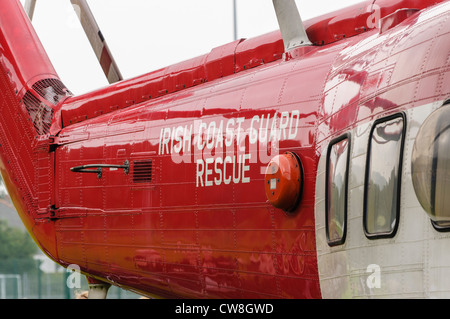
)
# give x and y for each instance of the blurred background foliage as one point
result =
(26, 272)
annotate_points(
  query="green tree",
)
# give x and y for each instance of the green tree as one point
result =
(16, 250)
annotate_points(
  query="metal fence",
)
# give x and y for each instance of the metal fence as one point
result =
(36, 283)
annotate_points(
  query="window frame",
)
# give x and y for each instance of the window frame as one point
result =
(393, 232)
(341, 241)
(440, 228)
(436, 226)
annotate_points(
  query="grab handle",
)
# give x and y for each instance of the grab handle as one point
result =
(98, 168)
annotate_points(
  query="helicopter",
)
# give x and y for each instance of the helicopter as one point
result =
(308, 162)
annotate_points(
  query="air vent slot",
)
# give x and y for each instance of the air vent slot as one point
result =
(52, 90)
(142, 171)
(39, 100)
(40, 114)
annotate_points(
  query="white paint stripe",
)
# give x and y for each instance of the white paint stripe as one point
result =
(414, 263)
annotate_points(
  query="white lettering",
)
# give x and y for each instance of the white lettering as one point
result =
(187, 139)
(192, 309)
(208, 172)
(211, 145)
(200, 172)
(166, 140)
(219, 138)
(214, 170)
(284, 124)
(160, 142)
(200, 137)
(245, 168)
(253, 132)
(226, 180)
(273, 129)
(218, 171)
(237, 179)
(263, 139)
(239, 121)
(293, 134)
(210, 135)
(177, 138)
(229, 133)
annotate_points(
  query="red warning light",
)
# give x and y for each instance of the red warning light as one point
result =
(283, 181)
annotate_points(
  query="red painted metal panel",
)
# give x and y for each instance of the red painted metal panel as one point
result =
(189, 217)
(357, 19)
(212, 238)
(189, 212)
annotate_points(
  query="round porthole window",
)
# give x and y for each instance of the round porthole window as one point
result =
(430, 165)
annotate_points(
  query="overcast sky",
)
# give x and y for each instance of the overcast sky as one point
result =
(146, 35)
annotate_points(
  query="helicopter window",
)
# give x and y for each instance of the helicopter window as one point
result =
(336, 190)
(383, 177)
(430, 167)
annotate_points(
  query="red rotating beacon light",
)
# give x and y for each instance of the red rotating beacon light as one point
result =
(283, 181)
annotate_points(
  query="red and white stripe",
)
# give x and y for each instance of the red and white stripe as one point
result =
(97, 41)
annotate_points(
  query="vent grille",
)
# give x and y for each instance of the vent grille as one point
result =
(38, 102)
(142, 171)
(41, 115)
(52, 90)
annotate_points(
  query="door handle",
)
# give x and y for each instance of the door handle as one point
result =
(98, 168)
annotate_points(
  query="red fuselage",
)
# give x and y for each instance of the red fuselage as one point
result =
(171, 198)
